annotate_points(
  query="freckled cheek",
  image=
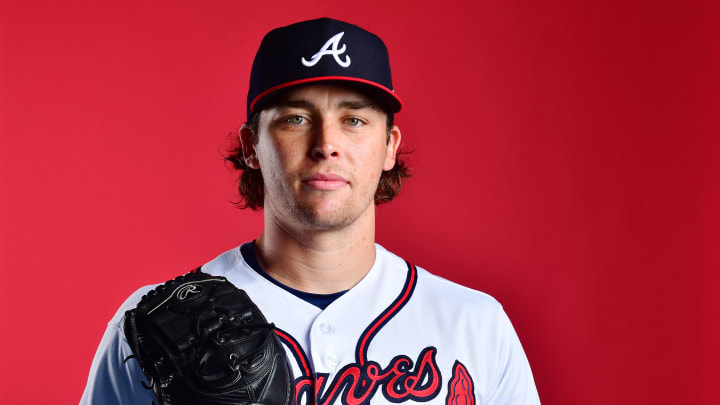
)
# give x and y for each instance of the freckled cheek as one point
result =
(369, 164)
(286, 160)
(375, 156)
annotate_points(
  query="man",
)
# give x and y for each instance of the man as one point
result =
(359, 324)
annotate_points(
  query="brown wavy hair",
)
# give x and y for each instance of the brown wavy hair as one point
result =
(252, 187)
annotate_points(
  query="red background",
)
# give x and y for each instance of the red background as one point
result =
(565, 160)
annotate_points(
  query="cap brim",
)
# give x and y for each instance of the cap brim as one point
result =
(385, 97)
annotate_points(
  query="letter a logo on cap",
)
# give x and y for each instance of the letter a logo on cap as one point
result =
(325, 50)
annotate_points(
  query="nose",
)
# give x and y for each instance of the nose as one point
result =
(326, 142)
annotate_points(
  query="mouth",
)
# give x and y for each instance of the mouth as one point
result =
(324, 182)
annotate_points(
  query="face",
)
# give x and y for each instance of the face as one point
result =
(321, 150)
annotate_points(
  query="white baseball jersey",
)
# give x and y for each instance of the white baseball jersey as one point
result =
(401, 335)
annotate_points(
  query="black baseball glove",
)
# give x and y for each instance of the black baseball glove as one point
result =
(201, 340)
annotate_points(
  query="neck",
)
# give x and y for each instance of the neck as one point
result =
(320, 262)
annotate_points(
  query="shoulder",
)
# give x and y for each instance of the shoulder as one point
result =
(219, 266)
(112, 378)
(483, 339)
(130, 303)
(447, 293)
(454, 294)
(437, 303)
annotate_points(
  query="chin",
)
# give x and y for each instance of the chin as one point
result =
(328, 216)
(319, 220)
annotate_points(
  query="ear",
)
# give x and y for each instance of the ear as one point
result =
(247, 141)
(392, 148)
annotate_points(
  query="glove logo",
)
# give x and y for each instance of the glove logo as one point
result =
(186, 290)
(325, 50)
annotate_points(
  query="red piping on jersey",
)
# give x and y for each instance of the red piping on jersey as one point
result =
(313, 384)
(393, 309)
(297, 351)
(324, 78)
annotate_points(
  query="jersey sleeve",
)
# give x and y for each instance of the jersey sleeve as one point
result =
(515, 384)
(115, 377)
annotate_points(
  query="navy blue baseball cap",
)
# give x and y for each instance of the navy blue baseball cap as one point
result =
(321, 51)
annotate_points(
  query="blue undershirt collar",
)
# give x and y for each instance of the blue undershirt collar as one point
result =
(319, 300)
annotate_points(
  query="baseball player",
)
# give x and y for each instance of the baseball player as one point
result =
(359, 325)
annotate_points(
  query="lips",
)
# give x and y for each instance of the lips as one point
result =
(321, 181)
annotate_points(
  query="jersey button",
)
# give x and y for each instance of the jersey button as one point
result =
(332, 361)
(326, 328)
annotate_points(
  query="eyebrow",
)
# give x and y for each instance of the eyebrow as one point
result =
(296, 104)
(359, 105)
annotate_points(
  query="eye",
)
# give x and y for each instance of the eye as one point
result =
(296, 120)
(353, 121)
